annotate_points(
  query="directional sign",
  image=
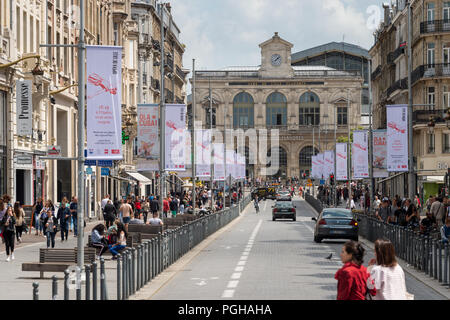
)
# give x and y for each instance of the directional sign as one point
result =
(54, 151)
(105, 163)
(105, 171)
(90, 162)
(322, 182)
(89, 170)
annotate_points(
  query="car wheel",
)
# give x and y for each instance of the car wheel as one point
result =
(294, 219)
(273, 219)
(317, 239)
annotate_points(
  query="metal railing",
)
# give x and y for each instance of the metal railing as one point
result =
(430, 71)
(376, 73)
(423, 116)
(139, 265)
(401, 84)
(435, 26)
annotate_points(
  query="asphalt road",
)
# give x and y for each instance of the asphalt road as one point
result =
(269, 260)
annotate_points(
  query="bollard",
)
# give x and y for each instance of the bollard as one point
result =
(138, 267)
(54, 288)
(102, 279)
(141, 283)
(88, 282)
(446, 264)
(153, 258)
(133, 271)
(147, 262)
(129, 270)
(35, 291)
(119, 257)
(66, 284)
(435, 245)
(124, 274)
(440, 261)
(94, 280)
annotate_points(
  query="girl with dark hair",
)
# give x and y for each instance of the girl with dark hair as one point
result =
(8, 223)
(98, 239)
(117, 240)
(352, 277)
(19, 214)
(386, 275)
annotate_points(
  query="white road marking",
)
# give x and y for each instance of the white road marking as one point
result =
(233, 284)
(228, 294)
(242, 263)
(245, 253)
(236, 275)
(243, 258)
(201, 283)
(239, 269)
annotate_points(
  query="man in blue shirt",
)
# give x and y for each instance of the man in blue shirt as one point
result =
(445, 231)
(74, 213)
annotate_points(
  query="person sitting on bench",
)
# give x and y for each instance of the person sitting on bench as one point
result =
(117, 240)
(98, 239)
(155, 221)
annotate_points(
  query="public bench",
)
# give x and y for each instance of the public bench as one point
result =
(140, 232)
(57, 259)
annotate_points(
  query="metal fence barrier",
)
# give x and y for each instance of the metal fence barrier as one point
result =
(138, 266)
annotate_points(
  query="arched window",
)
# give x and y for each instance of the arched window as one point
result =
(276, 109)
(282, 162)
(243, 109)
(305, 160)
(309, 109)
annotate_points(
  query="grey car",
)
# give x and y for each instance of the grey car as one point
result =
(335, 223)
(284, 210)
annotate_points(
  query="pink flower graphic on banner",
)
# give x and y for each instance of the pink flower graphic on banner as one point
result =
(359, 146)
(171, 125)
(98, 81)
(393, 125)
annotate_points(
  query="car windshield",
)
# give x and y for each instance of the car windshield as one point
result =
(284, 204)
(337, 214)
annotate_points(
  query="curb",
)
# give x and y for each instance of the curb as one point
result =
(421, 277)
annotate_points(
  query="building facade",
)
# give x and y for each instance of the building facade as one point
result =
(430, 86)
(297, 100)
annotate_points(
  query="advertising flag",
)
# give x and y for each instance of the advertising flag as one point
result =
(341, 162)
(329, 163)
(321, 171)
(397, 137)
(219, 166)
(379, 154)
(104, 102)
(24, 108)
(360, 154)
(203, 153)
(230, 162)
(314, 166)
(147, 137)
(175, 135)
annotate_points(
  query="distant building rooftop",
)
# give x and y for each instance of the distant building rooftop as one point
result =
(332, 46)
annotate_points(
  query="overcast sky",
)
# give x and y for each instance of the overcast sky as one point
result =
(221, 33)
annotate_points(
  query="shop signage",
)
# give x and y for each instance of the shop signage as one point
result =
(24, 108)
(54, 151)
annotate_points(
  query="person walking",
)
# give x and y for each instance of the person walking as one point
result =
(19, 215)
(386, 275)
(109, 214)
(126, 211)
(137, 209)
(352, 277)
(45, 213)
(74, 213)
(145, 209)
(51, 224)
(37, 208)
(174, 207)
(7, 224)
(64, 217)
(166, 207)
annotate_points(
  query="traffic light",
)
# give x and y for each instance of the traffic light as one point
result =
(331, 179)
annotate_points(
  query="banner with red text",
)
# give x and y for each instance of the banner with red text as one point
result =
(360, 154)
(219, 161)
(341, 162)
(203, 153)
(379, 154)
(175, 143)
(147, 137)
(397, 137)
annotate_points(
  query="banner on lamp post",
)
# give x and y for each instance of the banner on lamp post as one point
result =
(397, 138)
(321, 167)
(24, 106)
(147, 137)
(104, 102)
(230, 162)
(314, 166)
(175, 135)
(379, 154)
(203, 153)
(341, 162)
(219, 167)
(329, 163)
(360, 154)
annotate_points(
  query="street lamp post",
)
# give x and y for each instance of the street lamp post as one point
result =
(193, 142)
(411, 174)
(162, 145)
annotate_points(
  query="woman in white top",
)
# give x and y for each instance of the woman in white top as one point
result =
(386, 275)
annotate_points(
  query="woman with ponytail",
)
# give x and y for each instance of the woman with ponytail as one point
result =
(352, 277)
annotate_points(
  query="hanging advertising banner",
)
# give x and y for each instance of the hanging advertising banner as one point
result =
(147, 137)
(321, 167)
(104, 102)
(203, 153)
(24, 108)
(241, 166)
(397, 137)
(230, 162)
(314, 166)
(234, 171)
(379, 154)
(329, 163)
(360, 154)
(219, 166)
(341, 162)
(175, 143)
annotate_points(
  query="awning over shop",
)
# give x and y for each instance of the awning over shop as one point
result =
(139, 177)
(433, 179)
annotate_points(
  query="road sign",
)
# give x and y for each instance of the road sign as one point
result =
(54, 151)
(309, 180)
(105, 171)
(90, 162)
(105, 163)
(322, 182)
(89, 170)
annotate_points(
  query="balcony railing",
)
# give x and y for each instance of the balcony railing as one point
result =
(169, 63)
(376, 73)
(179, 100)
(423, 116)
(435, 26)
(144, 40)
(144, 79)
(395, 54)
(155, 83)
(180, 73)
(168, 96)
(430, 71)
(398, 85)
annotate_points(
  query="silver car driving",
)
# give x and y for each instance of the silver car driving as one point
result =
(335, 223)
